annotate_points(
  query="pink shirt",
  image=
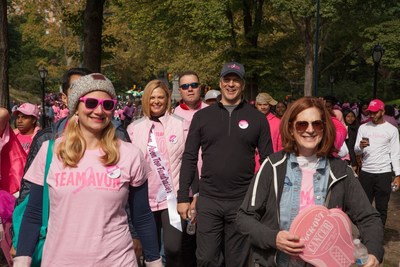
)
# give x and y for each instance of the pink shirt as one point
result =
(56, 110)
(307, 188)
(88, 223)
(64, 113)
(26, 140)
(129, 110)
(274, 123)
(188, 114)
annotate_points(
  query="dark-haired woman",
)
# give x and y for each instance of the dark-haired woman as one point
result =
(352, 127)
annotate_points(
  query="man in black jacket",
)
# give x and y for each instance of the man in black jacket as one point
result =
(228, 134)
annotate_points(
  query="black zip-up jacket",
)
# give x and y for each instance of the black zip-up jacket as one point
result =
(228, 143)
(258, 215)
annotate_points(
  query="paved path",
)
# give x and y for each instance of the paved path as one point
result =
(392, 232)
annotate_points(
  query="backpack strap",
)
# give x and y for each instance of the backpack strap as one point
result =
(45, 206)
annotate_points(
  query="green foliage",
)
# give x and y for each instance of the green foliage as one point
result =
(145, 39)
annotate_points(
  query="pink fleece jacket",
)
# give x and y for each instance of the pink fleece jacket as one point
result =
(274, 123)
(175, 132)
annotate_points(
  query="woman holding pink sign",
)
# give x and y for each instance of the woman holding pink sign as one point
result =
(297, 179)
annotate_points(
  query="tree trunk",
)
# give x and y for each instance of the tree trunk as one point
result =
(308, 73)
(4, 91)
(309, 58)
(252, 21)
(229, 15)
(93, 25)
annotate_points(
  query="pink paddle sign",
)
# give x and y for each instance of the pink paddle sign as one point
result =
(327, 236)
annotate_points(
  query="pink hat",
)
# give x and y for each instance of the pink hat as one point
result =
(28, 109)
(376, 105)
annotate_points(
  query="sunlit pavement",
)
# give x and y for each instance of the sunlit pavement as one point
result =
(392, 232)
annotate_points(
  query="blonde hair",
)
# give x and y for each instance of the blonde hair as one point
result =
(72, 147)
(148, 90)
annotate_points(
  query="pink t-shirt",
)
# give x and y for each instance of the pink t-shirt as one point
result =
(274, 123)
(26, 139)
(64, 112)
(88, 224)
(307, 188)
(56, 110)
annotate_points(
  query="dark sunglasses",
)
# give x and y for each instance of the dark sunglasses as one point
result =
(301, 126)
(92, 103)
(187, 85)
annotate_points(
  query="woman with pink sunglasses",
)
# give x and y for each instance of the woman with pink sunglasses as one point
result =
(92, 176)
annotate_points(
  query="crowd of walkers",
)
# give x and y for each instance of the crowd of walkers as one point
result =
(125, 184)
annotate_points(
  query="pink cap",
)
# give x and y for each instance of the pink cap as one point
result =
(376, 105)
(28, 109)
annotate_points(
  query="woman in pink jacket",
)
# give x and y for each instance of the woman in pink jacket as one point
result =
(160, 135)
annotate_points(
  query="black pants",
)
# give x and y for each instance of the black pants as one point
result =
(218, 242)
(377, 186)
(172, 239)
(188, 249)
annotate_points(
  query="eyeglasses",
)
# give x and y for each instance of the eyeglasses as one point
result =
(187, 85)
(92, 103)
(301, 126)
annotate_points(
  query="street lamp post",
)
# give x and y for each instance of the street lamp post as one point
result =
(377, 53)
(43, 75)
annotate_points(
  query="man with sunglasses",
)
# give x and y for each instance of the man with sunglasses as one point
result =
(378, 143)
(228, 134)
(190, 90)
